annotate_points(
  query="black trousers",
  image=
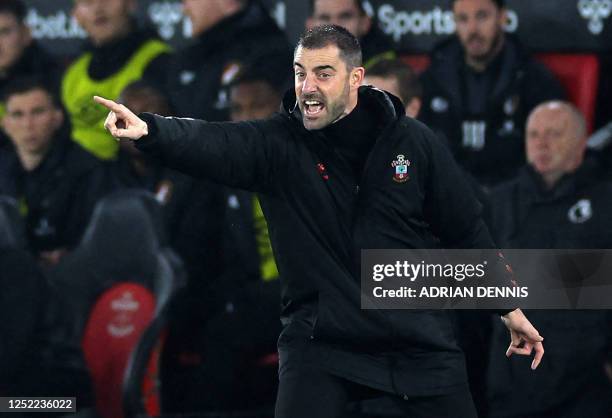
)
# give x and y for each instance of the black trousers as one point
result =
(306, 391)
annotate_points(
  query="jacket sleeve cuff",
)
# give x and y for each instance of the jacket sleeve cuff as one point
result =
(151, 138)
(503, 312)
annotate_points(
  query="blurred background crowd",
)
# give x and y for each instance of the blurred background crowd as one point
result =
(139, 289)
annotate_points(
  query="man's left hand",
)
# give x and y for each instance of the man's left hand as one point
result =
(524, 337)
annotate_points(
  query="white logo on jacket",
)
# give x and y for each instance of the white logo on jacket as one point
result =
(581, 212)
(595, 11)
(439, 104)
(187, 77)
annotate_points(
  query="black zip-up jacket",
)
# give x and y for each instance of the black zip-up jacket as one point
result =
(202, 71)
(488, 143)
(320, 216)
(59, 195)
(575, 214)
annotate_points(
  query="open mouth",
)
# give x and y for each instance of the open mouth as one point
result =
(313, 108)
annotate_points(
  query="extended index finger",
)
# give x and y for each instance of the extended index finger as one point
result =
(109, 104)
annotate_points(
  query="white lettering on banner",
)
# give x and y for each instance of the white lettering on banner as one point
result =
(425, 22)
(166, 15)
(474, 134)
(595, 11)
(58, 25)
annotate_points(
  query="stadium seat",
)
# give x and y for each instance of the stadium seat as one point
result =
(118, 280)
(419, 63)
(579, 74)
(117, 320)
(141, 383)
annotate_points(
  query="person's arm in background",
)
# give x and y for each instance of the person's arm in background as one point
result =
(246, 155)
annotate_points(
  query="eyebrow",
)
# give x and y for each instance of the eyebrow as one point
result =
(319, 68)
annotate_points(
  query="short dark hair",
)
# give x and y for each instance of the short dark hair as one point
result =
(499, 3)
(269, 69)
(157, 100)
(14, 7)
(325, 35)
(357, 3)
(26, 84)
(409, 85)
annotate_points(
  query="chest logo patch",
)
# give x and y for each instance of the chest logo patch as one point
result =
(400, 166)
(581, 212)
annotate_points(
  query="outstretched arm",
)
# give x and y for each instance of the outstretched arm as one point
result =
(248, 155)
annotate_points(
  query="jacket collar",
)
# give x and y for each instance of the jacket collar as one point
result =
(532, 184)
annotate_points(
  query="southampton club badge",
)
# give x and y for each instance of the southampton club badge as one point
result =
(401, 169)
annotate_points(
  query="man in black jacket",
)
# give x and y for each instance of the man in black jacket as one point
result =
(479, 90)
(225, 34)
(558, 201)
(20, 56)
(323, 170)
(56, 181)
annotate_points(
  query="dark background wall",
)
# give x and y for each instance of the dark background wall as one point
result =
(414, 25)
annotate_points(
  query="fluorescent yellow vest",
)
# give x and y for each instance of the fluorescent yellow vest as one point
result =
(78, 89)
(267, 265)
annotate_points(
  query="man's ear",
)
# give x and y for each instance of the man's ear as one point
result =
(26, 35)
(365, 24)
(503, 18)
(413, 108)
(309, 23)
(132, 6)
(357, 76)
(58, 118)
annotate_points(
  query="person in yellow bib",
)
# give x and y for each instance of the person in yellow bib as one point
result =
(117, 53)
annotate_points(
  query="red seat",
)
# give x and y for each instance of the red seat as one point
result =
(115, 325)
(579, 74)
(419, 63)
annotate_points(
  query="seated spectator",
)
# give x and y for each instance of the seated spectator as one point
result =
(479, 89)
(399, 79)
(56, 182)
(20, 55)
(558, 201)
(116, 54)
(351, 15)
(225, 34)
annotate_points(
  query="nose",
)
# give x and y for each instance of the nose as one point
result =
(309, 85)
(472, 26)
